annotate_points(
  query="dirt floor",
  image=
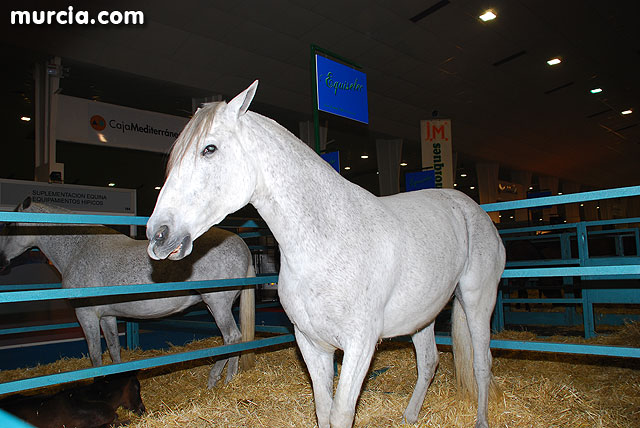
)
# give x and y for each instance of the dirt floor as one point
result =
(538, 390)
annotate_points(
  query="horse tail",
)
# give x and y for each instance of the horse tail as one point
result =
(463, 356)
(462, 352)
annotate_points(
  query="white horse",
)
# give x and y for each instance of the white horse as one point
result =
(96, 256)
(355, 268)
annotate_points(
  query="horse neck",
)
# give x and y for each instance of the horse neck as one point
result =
(302, 198)
(61, 243)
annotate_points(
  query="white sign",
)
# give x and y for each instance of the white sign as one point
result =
(437, 151)
(93, 122)
(72, 197)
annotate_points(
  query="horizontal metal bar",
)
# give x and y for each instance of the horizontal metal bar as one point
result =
(33, 328)
(22, 217)
(73, 293)
(543, 300)
(572, 271)
(591, 223)
(563, 348)
(567, 348)
(543, 262)
(597, 195)
(48, 286)
(54, 379)
(7, 420)
(272, 329)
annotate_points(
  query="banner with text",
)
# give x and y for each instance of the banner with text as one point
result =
(93, 122)
(72, 197)
(342, 90)
(437, 150)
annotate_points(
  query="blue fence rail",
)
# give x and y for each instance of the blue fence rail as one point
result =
(27, 295)
(622, 266)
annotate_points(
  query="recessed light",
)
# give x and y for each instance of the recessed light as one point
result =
(488, 15)
(403, 164)
(364, 156)
(463, 175)
(554, 61)
(472, 187)
(596, 90)
(627, 112)
(347, 168)
(25, 119)
(158, 187)
(112, 184)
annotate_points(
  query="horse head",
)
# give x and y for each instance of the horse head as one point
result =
(13, 243)
(209, 175)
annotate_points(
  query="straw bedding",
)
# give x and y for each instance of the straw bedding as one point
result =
(538, 390)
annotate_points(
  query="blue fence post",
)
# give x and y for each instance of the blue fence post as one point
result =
(133, 335)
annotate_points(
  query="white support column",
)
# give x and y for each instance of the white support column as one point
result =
(523, 178)
(488, 185)
(307, 135)
(549, 183)
(572, 211)
(47, 83)
(389, 154)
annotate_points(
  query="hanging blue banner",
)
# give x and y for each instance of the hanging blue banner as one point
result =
(333, 159)
(342, 90)
(420, 180)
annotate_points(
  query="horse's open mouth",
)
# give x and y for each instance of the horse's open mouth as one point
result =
(176, 251)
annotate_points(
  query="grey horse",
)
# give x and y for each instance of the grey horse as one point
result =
(90, 256)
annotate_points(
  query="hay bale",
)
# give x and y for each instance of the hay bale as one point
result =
(539, 390)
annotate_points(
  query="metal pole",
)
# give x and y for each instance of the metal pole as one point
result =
(314, 97)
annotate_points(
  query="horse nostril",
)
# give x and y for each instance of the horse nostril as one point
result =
(161, 234)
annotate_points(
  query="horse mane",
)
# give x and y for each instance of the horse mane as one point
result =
(196, 129)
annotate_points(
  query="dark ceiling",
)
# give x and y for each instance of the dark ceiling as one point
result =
(506, 104)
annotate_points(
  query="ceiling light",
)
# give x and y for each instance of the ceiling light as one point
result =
(455, 184)
(25, 119)
(463, 175)
(403, 164)
(364, 156)
(488, 16)
(627, 112)
(554, 61)
(158, 187)
(347, 168)
(111, 184)
(596, 90)
(530, 187)
(472, 187)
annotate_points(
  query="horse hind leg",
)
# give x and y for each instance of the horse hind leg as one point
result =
(427, 358)
(472, 355)
(110, 330)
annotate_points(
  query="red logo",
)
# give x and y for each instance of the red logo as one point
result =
(97, 122)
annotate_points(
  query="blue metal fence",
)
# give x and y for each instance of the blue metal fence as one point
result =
(21, 295)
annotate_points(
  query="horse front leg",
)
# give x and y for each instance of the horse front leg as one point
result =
(320, 366)
(355, 364)
(91, 328)
(110, 330)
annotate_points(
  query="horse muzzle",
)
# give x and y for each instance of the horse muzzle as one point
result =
(163, 245)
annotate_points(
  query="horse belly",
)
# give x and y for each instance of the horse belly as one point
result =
(151, 308)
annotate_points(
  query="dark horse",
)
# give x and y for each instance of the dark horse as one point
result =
(86, 406)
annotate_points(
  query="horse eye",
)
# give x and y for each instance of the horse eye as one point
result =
(209, 150)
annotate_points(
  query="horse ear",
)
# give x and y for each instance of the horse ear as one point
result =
(240, 104)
